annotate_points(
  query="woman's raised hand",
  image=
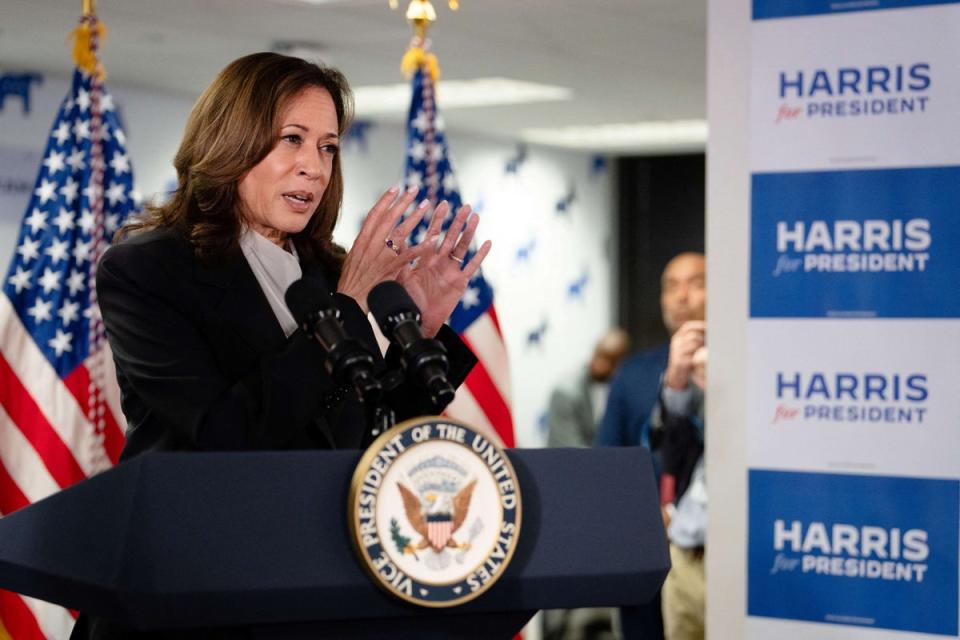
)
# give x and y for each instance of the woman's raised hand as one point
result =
(432, 272)
(437, 278)
(379, 253)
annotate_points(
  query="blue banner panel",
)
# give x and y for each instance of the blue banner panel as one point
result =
(859, 550)
(856, 244)
(768, 9)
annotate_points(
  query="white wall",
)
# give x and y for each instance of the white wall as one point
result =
(519, 211)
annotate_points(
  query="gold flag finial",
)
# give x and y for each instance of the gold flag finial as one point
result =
(453, 4)
(420, 13)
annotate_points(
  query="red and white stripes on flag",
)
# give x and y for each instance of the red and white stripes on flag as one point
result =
(483, 401)
(60, 418)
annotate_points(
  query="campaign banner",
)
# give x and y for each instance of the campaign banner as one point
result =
(824, 548)
(856, 244)
(854, 396)
(866, 89)
(770, 9)
(852, 400)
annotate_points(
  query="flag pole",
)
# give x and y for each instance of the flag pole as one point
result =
(421, 14)
(86, 55)
(483, 400)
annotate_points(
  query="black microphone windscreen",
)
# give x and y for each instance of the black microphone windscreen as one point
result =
(306, 296)
(389, 298)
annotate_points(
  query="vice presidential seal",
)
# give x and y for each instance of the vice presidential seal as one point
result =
(434, 512)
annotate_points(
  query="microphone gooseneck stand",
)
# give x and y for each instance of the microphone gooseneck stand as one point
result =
(379, 417)
(424, 360)
(348, 361)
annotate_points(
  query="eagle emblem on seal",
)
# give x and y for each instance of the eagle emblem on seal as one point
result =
(436, 517)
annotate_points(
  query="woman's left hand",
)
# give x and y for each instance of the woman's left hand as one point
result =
(437, 280)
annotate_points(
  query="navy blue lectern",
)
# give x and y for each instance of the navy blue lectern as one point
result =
(260, 540)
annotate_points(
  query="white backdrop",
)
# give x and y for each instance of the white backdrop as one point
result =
(549, 214)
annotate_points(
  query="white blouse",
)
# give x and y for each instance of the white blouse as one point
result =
(275, 270)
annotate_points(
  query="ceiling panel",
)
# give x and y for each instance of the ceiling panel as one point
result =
(625, 60)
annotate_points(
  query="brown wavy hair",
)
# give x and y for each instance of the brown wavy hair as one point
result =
(232, 127)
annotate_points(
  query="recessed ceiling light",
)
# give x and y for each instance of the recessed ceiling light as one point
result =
(374, 100)
(664, 135)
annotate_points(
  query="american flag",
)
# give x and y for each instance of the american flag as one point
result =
(483, 401)
(60, 420)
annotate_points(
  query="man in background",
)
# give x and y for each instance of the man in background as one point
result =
(635, 394)
(575, 410)
(636, 385)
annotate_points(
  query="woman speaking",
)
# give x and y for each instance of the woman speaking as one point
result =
(207, 354)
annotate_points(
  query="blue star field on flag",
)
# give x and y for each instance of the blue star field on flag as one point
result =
(49, 278)
(428, 167)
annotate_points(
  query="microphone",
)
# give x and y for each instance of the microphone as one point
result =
(348, 362)
(399, 320)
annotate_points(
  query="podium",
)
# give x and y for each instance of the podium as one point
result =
(259, 540)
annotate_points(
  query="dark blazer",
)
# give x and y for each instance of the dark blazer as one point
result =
(204, 365)
(634, 393)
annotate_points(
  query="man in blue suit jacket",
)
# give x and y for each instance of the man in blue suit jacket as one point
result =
(635, 392)
(633, 395)
(636, 387)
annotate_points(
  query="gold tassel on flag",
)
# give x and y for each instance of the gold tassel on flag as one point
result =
(86, 39)
(416, 57)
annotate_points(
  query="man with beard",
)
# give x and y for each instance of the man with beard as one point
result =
(636, 390)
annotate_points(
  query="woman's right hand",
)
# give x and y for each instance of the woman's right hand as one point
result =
(371, 260)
